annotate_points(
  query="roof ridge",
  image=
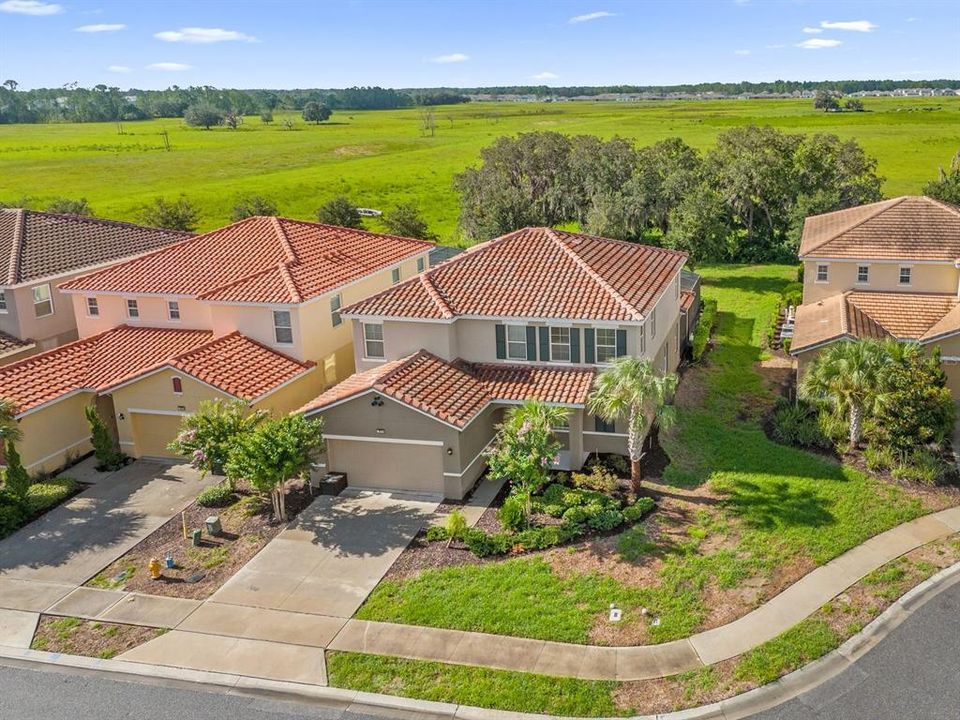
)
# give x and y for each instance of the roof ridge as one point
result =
(595, 276)
(288, 281)
(434, 294)
(615, 241)
(883, 206)
(360, 231)
(17, 249)
(950, 207)
(404, 363)
(93, 220)
(284, 240)
(868, 316)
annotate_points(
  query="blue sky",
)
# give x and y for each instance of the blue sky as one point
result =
(423, 43)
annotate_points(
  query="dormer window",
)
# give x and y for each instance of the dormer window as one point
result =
(863, 274)
(133, 310)
(173, 310)
(905, 275)
(282, 327)
(93, 307)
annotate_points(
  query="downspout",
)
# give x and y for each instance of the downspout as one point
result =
(956, 264)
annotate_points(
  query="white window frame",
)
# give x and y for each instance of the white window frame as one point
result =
(48, 300)
(173, 308)
(826, 273)
(3, 302)
(653, 323)
(280, 328)
(93, 306)
(336, 302)
(368, 340)
(513, 343)
(395, 276)
(133, 309)
(642, 335)
(909, 271)
(866, 273)
(421, 265)
(563, 343)
(611, 345)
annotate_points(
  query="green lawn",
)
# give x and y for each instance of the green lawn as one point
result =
(380, 158)
(779, 505)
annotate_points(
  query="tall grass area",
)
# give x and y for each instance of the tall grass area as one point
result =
(380, 158)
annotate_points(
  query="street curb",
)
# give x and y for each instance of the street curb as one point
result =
(739, 706)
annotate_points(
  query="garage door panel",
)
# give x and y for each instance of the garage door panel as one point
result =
(388, 466)
(151, 433)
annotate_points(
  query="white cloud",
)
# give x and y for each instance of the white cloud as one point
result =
(577, 19)
(203, 36)
(452, 58)
(100, 28)
(819, 43)
(119, 69)
(812, 30)
(30, 7)
(852, 25)
(169, 66)
(741, 52)
(545, 76)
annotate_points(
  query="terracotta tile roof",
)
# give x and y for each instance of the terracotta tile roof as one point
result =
(920, 317)
(93, 363)
(686, 300)
(35, 245)
(455, 392)
(905, 228)
(535, 273)
(258, 260)
(10, 345)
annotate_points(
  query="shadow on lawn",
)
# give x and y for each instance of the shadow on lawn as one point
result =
(776, 504)
(747, 283)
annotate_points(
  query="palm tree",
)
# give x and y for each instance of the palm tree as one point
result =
(849, 375)
(632, 388)
(9, 428)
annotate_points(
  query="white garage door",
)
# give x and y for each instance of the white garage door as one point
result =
(387, 465)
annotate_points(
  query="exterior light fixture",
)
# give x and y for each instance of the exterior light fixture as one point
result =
(376, 402)
(380, 431)
(449, 451)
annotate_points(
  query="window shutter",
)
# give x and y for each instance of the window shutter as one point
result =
(531, 342)
(501, 331)
(621, 343)
(590, 355)
(544, 344)
(574, 345)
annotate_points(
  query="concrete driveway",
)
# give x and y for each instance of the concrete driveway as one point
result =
(332, 556)
(73, 542)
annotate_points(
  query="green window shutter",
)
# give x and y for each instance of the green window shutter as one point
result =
(621, 343)
(531, 342)
(590, 355)
(545, 344)
(574, 345)
(501, 341)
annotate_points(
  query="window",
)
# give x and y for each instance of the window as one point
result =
(177, 386)
(282, 327)
(335, 303)
(133, 310)
(3, 301)
(606, 344)
(563, 425)
(395, 275)
(421, 265)
(560, 344)
(516, 342)
(905, 275)
(643, 339)
(173, 310)
(93, 307)
(373, 340)
(42, 302)
(822, 271)
(653, 323)
(863, 274)
(601, 425)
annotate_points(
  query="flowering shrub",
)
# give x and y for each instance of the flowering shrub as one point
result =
(207, 435)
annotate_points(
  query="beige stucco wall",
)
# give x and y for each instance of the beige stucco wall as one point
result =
(153, 313)
(55, 434)
(48, 332)
(884, 276)
(294, 395)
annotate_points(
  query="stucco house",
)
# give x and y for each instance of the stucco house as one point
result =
(889, 269)
(249, 311)
(38, 250)
(533, 314)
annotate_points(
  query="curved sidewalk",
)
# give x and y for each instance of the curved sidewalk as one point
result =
(650, 661)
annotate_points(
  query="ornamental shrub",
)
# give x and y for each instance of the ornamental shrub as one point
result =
(105, 449)
(705, 325)
(604, 519)
(512, 514)
(599, 479)
(435, 533)
(797, 424)
(16, 481)
(218, 495)
(456, 525)
(633, 513)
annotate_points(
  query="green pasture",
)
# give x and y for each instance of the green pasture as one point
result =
(379, 158)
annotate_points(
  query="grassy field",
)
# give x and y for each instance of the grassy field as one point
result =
(380, 158)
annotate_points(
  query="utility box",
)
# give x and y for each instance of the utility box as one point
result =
(213, 525)
(197, 537)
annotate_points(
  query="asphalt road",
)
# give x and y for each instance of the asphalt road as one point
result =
(913, 674)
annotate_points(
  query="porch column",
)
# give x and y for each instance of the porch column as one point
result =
(576, 439)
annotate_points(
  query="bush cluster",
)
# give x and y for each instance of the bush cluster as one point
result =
(705, 325)
(599, 478)
(798, 424)
(218, 495)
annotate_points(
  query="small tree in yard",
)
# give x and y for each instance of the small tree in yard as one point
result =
(316, 112)
(66, 206)
(203, 115)
(849, 376)
(340, 211)
(631, 388)
(405, 220)
(276, 451)
(16, 481)
(207, 435)
(251, 205)
(179, 214)
(9, 427)
(524, 448)
(826, 101)
(105, 448)
(266, 117)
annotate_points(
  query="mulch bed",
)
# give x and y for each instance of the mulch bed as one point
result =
(90, 638)
(199, 571)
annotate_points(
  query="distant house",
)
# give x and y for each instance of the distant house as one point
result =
(38, 250)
